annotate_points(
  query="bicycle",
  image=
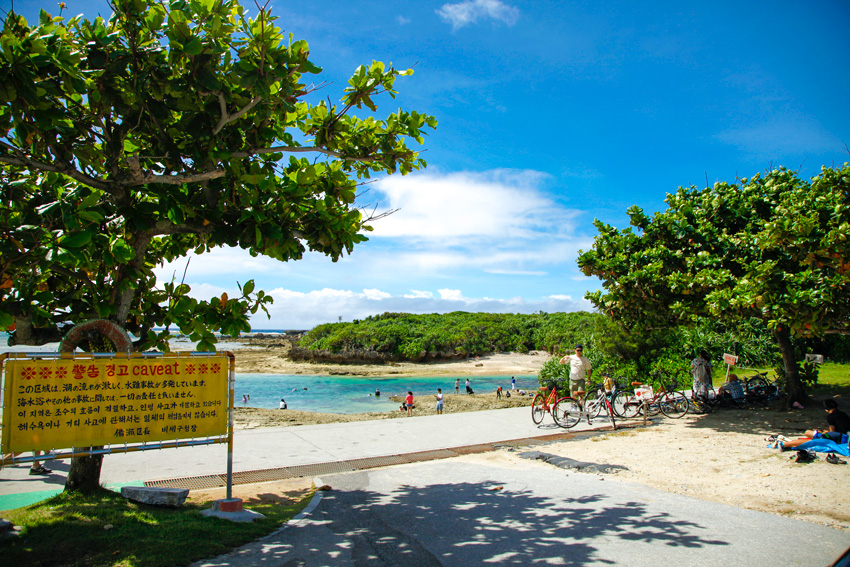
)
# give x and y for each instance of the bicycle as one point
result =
(671, 403)
(543, 404)
(757, 390)
(569, 411)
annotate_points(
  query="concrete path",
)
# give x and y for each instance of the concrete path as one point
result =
(467, 511)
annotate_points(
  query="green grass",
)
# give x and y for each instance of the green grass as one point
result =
(73, 530)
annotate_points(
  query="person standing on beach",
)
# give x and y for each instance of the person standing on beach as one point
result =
(513, 382)
(580, 370)
(468, 387)
(408, 402)
(457, 386)
(439, 396)
(701, 371)
(499, 393)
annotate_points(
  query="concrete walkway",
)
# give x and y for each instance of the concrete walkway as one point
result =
(468, 511)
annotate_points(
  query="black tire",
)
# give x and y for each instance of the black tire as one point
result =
(673, 404)
(699, 406)
(628, 405)
(537, 411)
(567, 412)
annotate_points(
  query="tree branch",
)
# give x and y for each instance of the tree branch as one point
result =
(226, 117)
(301, 150)
(63, 169)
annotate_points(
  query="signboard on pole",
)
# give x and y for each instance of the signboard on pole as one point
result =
(83, 400)
(730, 359)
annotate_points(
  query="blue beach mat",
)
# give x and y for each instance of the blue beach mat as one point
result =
(824, 446)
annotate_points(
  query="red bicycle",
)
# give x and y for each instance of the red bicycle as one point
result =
(543, 404)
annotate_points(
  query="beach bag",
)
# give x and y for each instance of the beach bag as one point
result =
(701, 371)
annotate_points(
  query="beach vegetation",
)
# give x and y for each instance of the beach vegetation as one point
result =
(103, 529)
(771, 249)
(170, 129)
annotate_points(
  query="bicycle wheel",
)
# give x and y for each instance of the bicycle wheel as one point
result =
(673, 404)
(594, 406)
(653, 406)
(537, 410)
(567, 412)
(698, 405)
(626, 405)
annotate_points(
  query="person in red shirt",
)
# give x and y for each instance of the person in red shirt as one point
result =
(408, 402)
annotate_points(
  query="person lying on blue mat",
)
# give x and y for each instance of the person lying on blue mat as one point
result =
(837, 434)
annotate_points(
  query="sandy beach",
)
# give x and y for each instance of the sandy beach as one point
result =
(720, 457)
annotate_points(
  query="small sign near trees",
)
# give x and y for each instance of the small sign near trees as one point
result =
(816, 358)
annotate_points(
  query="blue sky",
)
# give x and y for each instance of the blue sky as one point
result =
(551, 114)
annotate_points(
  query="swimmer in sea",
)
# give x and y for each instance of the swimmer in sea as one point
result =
(377, 392)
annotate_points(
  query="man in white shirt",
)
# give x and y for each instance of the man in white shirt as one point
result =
(580, 370)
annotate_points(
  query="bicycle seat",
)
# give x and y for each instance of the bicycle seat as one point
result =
(636, 384)
(579, 392)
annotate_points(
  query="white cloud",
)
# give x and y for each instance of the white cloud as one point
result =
(415, 293)
(450, 294)
(468, 12)
(402, 21)
(375, 294)
(459, 206)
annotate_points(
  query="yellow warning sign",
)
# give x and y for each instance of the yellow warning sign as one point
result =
(64, 402)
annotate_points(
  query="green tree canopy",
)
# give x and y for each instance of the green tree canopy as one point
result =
(166, 129)
(773, 247)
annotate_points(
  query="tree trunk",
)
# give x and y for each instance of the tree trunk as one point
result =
(793, 384)
(84, 474)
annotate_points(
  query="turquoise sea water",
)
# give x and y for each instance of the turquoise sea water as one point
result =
(356, 394)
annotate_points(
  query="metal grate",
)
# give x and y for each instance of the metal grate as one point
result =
(319, 469)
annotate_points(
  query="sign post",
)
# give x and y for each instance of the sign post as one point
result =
(730, 360)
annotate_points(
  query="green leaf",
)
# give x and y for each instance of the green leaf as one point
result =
(75, 240)
(193, 47)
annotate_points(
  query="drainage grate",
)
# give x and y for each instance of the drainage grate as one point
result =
(319, 469)
(192, 482)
